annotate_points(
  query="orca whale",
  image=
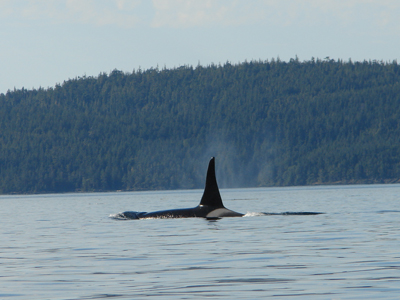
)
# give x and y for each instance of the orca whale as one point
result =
(210, 207)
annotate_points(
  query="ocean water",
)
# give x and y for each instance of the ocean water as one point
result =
(68, 246)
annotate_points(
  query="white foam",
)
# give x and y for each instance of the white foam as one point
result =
(254, 214)
(118, 216)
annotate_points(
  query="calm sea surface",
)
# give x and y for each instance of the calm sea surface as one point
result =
(68, 247)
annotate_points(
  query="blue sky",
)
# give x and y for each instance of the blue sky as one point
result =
(44, 42)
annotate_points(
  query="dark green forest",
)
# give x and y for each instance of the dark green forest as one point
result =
(269, 123)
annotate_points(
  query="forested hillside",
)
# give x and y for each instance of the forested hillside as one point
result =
(269, 123)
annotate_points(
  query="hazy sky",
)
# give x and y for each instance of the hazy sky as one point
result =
(44, 42)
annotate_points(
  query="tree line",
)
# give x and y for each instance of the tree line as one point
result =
(269, 123)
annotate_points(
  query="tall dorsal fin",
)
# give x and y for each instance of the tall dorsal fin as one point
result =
(211, 195)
